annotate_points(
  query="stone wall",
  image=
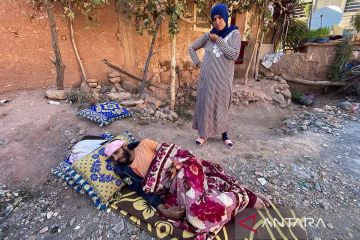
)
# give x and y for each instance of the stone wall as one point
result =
(312, 63)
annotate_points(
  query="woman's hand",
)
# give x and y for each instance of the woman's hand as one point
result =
(172, 212)
(213, 37)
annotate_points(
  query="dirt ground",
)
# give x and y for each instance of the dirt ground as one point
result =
(34, 137)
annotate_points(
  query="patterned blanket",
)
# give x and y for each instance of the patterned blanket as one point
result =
(210, 196)
(249, 224)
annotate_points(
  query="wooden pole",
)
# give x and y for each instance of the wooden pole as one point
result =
(173, 73)
(129, 74)
(83, 73)
(246, 77)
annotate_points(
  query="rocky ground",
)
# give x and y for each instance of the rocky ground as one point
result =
(310, 170)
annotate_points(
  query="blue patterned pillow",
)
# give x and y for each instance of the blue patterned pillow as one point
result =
(105, 113)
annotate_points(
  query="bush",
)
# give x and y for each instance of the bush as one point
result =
(355, 22)
(296, 31)
(318, 33)
(77, 96)
(342, 57)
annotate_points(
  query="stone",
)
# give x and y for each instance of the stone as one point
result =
(131, 102)
(56, 94)
(292, 132)
(174, 115)
(114, 74)
(194, 94)
(55, 229)
(286, 93)
(260, 174)
(84, 87)
(55, 214)
(324, 204)
(169, 117)
(44, 230)
(262, 181)
(92, 80)
(72, 221)
(119, 96)
(152, 102)
(303, 128)
(49, 215)
(152, 88)
(318, 110)
(330, 226)
(8, 209)
(115, 80)
(105, 89)
(81, 132)
(282, 81)
(117, 88)
(279, 99)
(317, 187)
(77, 227)
(346, 105)
(130, 86)
(96, 95)
(93, 85)
(150, 111)
(119, 227)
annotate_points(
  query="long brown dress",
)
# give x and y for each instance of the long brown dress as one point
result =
(215, 82)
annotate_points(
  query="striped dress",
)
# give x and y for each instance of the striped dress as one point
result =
(215, 82)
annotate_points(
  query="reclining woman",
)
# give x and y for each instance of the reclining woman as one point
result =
(197, 193)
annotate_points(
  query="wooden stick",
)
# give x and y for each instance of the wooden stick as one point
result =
(84, 77)
(143, 82)
(311, 82)
(129, 74)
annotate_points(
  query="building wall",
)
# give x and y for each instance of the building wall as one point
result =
(25, 44)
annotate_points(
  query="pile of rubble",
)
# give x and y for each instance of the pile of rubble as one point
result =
(263, 91)
(320, 120)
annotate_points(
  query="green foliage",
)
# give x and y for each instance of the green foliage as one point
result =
(318, 33)
(296, 32)
(307, 10)
(145, 12)
(355, 22)
(86, 7)
(342, 57)
(296, 95)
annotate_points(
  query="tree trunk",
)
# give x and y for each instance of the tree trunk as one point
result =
(143, 83)
(173, 73)
(257, 60)
(58, 63)
(246, 77)
(83, 73)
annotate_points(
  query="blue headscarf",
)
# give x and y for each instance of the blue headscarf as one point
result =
(222, 11)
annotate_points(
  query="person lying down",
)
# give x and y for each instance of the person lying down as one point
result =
(197, 194)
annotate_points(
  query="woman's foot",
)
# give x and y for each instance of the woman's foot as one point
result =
(200, 141)
(262, 202)
(228, 143)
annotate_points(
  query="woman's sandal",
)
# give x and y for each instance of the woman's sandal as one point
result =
(227, 141)
(200, 141)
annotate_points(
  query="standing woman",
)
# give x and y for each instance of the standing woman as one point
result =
(222, 47)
